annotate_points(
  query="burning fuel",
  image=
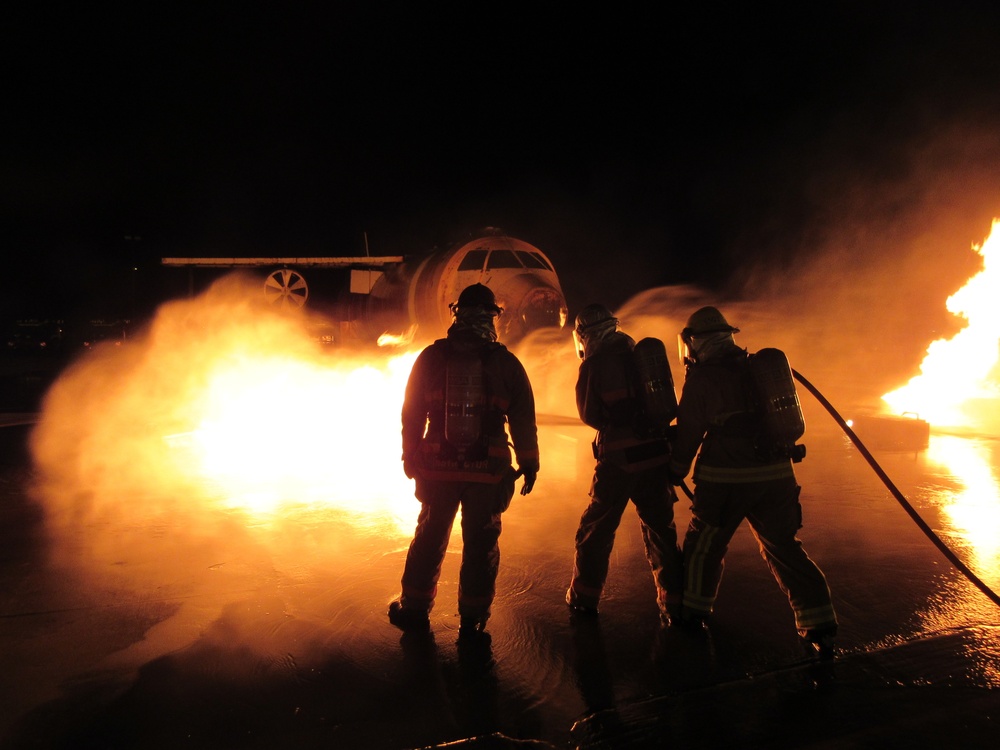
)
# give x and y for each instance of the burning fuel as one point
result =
(959, 376)
(225, 406)
(227, 436)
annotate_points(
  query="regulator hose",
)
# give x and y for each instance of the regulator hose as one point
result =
(896, 493)
(688, 492)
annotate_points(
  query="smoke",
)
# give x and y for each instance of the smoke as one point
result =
(224, 445)
(222, 435)
(855, 295)
(849, 269)
(854, 298)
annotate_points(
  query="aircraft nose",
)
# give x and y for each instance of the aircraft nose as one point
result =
(542, 307)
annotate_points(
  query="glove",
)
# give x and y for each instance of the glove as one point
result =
(529, 480)
(409, 467)
(529, 471)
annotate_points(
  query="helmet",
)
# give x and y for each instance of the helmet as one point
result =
(591, 320)
(592, 316)
(707, 320)
(477, 295)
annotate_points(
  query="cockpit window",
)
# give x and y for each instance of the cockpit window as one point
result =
(532, 260)
(544, 261)
(473, 261)
(504, 259)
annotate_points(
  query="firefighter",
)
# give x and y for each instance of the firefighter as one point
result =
(735, 478)
(630, 466)
(463, 394)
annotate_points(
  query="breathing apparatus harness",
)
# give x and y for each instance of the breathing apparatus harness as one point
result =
(468, 418)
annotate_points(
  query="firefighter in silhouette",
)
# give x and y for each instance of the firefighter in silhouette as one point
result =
(463, 394)
(739, 474)
(631, 465)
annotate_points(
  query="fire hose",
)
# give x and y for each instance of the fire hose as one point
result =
(928, 531)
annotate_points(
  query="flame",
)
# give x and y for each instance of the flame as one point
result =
(957, 372)
(391, 339)
(224, 406)
(276, 430)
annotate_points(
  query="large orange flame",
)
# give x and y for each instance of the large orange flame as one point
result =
(226, 407)
(957, 373)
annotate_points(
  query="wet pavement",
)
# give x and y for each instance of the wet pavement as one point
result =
(273, 633)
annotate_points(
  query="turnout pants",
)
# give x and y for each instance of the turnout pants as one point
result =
(774, 514)
(654, 499)
(481, 505)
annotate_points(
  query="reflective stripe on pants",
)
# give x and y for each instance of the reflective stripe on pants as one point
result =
(774, 515)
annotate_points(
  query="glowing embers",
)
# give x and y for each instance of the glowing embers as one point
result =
(957, 385)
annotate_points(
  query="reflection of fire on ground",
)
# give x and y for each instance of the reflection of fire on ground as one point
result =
(968, 498)
(973, 508)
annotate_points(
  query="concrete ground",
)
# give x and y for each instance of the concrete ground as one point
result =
(144, 633)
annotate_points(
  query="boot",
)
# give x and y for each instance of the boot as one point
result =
(407, 619)
(819, 642)
(471, 627)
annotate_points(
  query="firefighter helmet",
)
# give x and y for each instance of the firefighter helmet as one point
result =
(591, 323)
(707, 320)
(477, 295)
(591, 317)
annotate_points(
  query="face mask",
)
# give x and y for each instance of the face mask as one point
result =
(685, 350)
(586, 346)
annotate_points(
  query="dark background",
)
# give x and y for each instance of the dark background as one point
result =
(670, 146)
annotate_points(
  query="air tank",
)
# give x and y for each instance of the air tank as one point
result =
(783, 419)
(464, 401)
(656, 383)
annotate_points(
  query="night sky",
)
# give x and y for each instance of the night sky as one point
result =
(697, 146)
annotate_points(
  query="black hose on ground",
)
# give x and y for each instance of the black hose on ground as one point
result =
(896, 493)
